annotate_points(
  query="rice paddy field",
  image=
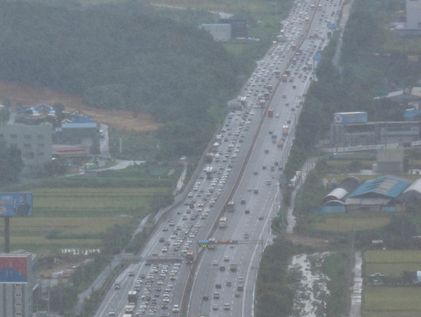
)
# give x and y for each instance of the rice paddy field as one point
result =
(391, 262)
(74, 217)
(392, 302)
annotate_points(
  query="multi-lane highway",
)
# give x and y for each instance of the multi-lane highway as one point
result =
(247, 158)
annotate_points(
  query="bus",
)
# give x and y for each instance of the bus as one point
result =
(222, 222)
(132, 297)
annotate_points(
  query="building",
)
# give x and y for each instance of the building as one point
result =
(390, 161)
(34, 142)
(16, 281)
(79, 130)
(379, 194)
(334, 202)
(374, 195)
(413, 14)
(373, 133)
(412, 195)
(412, 24)
(221, 32)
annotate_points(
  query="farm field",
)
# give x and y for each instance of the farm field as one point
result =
(347, 223)
(392, 302)
(391, 262)
(72, 217)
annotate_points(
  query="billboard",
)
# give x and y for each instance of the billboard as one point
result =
(13, 269)
(15, 204)
(350, 117)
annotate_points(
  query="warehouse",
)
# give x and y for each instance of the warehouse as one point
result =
(334, 202)
(375, 195)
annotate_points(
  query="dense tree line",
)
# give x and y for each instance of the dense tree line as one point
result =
(274, 297)
(121, 56)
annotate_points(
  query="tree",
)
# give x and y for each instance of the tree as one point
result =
(11, 163)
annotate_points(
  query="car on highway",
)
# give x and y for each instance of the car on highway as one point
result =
(176, 308)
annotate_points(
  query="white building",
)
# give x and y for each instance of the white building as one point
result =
(413, 14)
(34, 142)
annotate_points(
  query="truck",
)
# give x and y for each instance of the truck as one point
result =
(222, 222)
(209, 172)
(285, 129)
(280, 144)
(189, 256)
(233, 267)
(243, 100)
(270, 113)
(230, 206)
(132, 297)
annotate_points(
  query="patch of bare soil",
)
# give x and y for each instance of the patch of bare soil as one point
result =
(299, 239)
(119, 119)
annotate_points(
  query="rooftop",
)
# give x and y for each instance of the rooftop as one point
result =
(386, 186)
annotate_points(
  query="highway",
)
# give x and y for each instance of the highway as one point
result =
(218, 292)
(243, 165)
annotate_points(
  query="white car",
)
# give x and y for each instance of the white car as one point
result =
(176, 309)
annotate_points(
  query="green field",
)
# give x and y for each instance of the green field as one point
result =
(76, 217)
(348, 222)
(392, 302)
(391, 262)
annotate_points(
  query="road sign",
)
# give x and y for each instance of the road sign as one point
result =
(15, 204)
(203, 243)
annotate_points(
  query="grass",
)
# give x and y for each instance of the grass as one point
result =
(392, 302)
(77, 217)
(392, 262)
(348, 223)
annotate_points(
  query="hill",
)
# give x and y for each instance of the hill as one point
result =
(121, 57)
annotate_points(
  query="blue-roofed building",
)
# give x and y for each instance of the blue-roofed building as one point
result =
(79, 130)
(382, 187)
(379, 194)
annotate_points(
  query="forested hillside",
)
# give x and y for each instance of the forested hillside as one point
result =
(121, 56)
